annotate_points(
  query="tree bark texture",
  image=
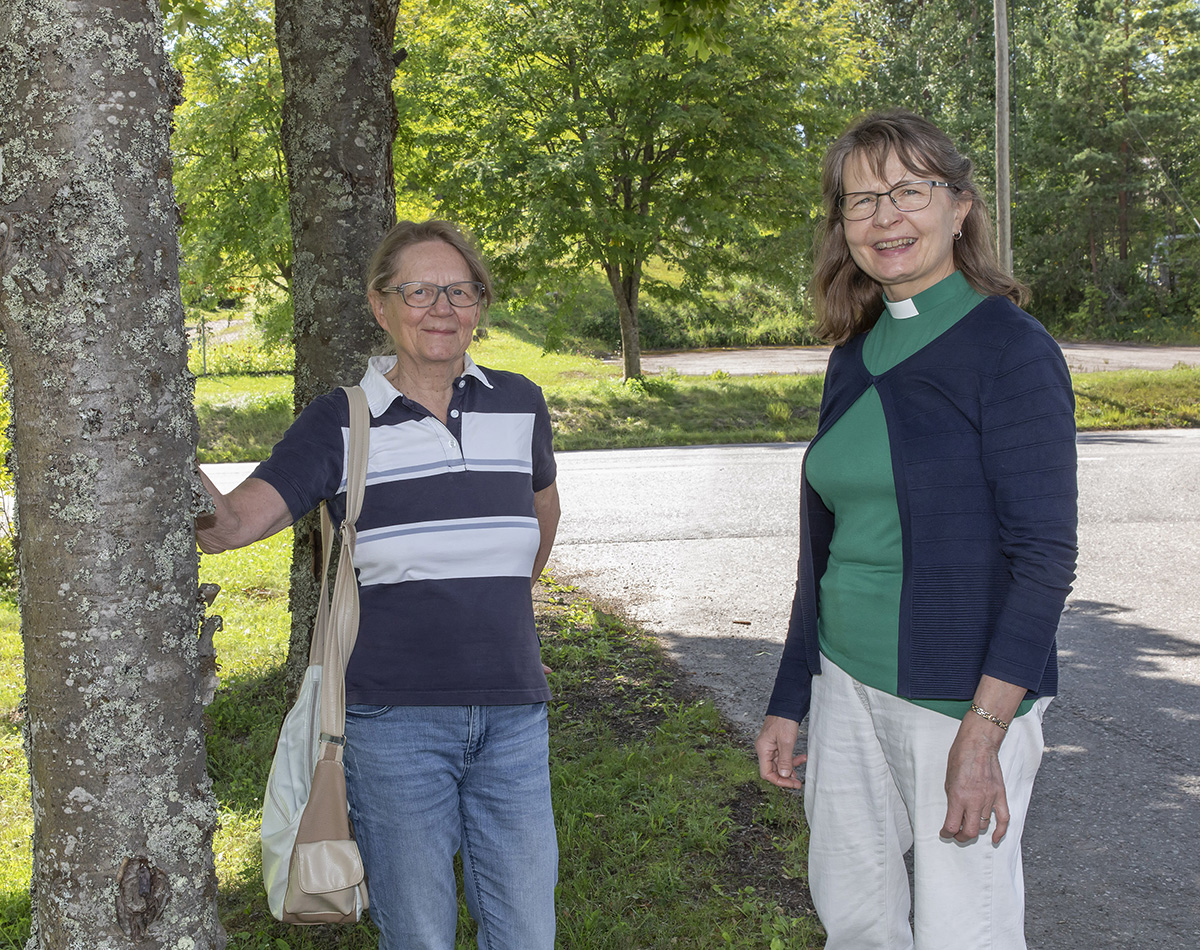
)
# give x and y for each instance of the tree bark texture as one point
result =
(339, 123)
(104, 436)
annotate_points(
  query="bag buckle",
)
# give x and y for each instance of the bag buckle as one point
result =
(336, 740)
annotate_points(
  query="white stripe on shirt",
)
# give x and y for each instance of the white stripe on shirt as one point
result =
(442, 550)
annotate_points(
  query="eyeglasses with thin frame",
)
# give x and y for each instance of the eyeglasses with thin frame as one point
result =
(422, 294)
(906, 196)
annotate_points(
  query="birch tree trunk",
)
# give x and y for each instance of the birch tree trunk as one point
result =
(339, 123)
(104, 436)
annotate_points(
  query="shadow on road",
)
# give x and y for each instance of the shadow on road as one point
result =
(1109, 858)
(1109, 849)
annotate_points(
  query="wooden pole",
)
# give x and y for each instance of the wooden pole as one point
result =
(1003, 183)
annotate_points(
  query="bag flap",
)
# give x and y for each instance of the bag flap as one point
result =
(325, 867)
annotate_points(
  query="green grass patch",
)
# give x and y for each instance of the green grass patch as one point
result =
(668, 839)
(242, 417)
(593, 409)
(243, 355)
(1138, 399)
(685, 410)
(16, 821)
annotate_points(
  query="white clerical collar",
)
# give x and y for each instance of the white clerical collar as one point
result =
(901, 309)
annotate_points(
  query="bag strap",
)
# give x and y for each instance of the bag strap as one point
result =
(316, 647)
(341, 613)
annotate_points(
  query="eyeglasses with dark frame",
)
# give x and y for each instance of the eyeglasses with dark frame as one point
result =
(906, 196)
(421, 294)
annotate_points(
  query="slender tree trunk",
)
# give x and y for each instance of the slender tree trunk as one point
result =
(104, 436)
(1003, 138)
(625, 288)
(339, 123)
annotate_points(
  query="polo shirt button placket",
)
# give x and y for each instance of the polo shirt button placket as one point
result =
(452, 443)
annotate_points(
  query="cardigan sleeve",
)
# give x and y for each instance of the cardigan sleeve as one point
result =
(1029, 460)
(801, 658)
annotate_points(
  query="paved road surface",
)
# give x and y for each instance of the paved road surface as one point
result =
(699, 546)
(1081, 358)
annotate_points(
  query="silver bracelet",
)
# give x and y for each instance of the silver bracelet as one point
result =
(979, 710)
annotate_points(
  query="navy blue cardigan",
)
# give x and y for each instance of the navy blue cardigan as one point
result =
(982, 429)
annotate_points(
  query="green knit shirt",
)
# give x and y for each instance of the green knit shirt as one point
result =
(850, 467)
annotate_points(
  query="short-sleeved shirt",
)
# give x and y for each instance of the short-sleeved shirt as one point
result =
(447, 537)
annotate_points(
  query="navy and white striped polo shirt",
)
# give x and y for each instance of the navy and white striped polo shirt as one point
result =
(446, 539)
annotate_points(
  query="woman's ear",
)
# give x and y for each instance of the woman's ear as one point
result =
(962, 207)
(375, 303)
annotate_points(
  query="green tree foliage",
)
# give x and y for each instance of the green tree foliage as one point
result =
(1105, 169)
(1106, 162)
(937, 60)
(229, 173)
(581, 135)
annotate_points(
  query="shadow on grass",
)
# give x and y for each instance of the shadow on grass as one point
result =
(650, 781)
(243, 725)
(250, 926)
(14, 919)
(242, 433)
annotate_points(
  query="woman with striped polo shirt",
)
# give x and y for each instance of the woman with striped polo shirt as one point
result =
(446, 730)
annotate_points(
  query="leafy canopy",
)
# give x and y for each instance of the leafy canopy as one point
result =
(575, 134)
(230, 179)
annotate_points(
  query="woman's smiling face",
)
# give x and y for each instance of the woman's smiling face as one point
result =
(905, 251)
(439, 333)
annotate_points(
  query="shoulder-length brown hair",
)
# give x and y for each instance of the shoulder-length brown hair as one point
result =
(846, 300)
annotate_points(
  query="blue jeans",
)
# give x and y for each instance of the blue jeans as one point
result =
(425, 782)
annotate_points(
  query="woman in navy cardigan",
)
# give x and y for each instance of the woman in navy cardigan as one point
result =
(937, 547)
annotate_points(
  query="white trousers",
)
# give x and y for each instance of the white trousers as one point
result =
(874, 788)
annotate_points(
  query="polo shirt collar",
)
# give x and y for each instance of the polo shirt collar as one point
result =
(381, 393)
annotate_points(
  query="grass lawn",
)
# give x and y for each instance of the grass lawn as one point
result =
(668, 838)
(1138, 399)
(241, 417)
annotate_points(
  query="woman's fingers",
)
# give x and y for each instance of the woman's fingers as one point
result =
(776, 745)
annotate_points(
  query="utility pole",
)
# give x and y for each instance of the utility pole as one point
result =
(1003, 183)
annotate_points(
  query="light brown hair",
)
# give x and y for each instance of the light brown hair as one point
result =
(846, 300)
(406, 233)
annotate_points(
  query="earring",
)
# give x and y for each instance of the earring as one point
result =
(958, 235)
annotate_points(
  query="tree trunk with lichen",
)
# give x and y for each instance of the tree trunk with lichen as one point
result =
(339, 123)
(103, 435)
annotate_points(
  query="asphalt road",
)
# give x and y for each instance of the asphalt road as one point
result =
(698, 545)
